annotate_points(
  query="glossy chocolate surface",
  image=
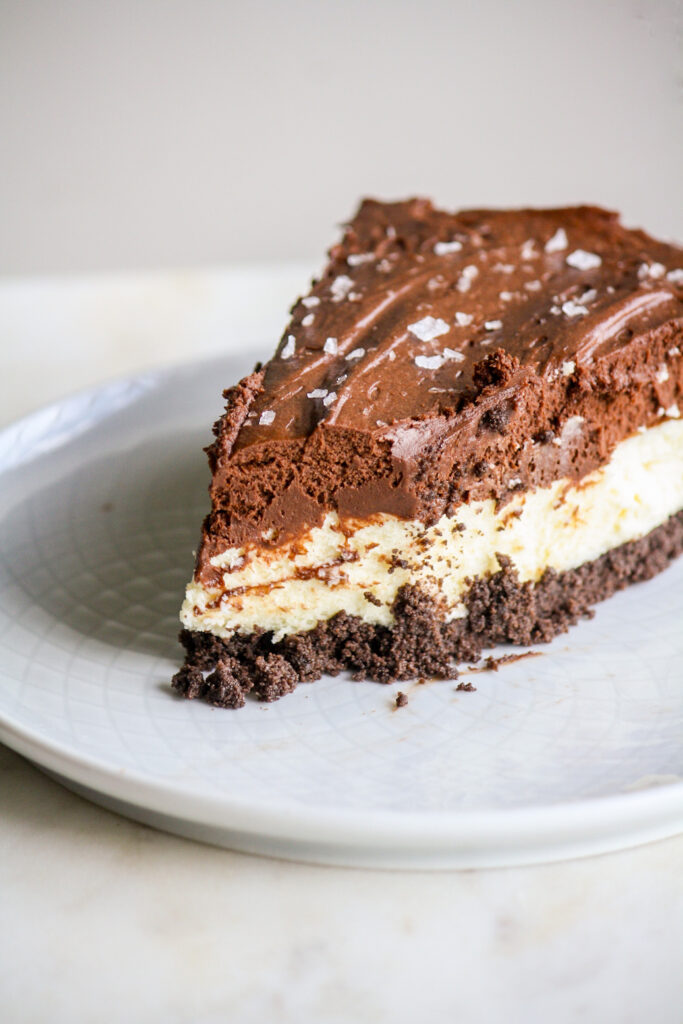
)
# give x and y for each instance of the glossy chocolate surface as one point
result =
(446, 357)
(547, 286)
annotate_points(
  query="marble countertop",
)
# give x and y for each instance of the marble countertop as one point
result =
(103, 919)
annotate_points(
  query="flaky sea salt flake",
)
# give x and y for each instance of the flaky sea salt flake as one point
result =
(266, 418)
(558, 242)
(428, 328)
(317, 393)
(340, 287)
(493, 325)
(444, 248)
(467, 277)
(571, 308)
(582, 260)
(329, 399)
(356, 258)
(308, 320)
(463, 319)
(528, 251)
(290, 347)
(310, 301)
(357, 353)
(429, 362)
(330, 346)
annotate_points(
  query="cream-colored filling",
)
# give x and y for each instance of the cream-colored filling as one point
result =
(332, 569)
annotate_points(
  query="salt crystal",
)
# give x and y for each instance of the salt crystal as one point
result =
(463, 319)
(310, 301)
(528, 251)
(428, 328)
(317, 393)
(467, 277)
(571, 308)
(290, 347)
(493, 325)
(533, 286)
(340, 287)
(429, 362)
(444, 248)
(357, 353)
(330, 346)
(266, 418)
(582, 260)
(558, 242)
(329, 399)
(662, 375)
(506, 296)
(451, 353)
(675, 276)
(356, 258)
(308, 320)
(568, 367)
(653, 270)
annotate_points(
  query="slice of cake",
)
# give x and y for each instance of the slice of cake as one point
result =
(469, 434)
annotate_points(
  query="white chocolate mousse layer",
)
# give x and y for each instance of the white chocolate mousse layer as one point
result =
(359, 566)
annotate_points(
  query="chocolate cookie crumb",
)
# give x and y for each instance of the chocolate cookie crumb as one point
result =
(223, 688)
(401, 699)
(466, 687)
(189, 682)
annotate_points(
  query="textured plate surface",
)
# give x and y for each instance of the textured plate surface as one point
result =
(576, 751)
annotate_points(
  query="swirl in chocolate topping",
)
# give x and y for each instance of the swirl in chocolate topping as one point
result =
(448, 357)
(496, 271)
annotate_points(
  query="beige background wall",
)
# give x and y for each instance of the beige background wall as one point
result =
(138, 133)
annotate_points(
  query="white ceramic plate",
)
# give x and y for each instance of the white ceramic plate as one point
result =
(577, 751)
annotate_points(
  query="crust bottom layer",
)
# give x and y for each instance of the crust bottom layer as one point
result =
(500, 609)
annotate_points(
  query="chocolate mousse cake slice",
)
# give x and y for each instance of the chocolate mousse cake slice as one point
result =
(470, 433)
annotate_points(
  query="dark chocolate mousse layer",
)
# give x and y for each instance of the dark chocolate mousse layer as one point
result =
(443, 358)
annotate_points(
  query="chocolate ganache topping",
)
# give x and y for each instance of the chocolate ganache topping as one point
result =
(442, 358)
